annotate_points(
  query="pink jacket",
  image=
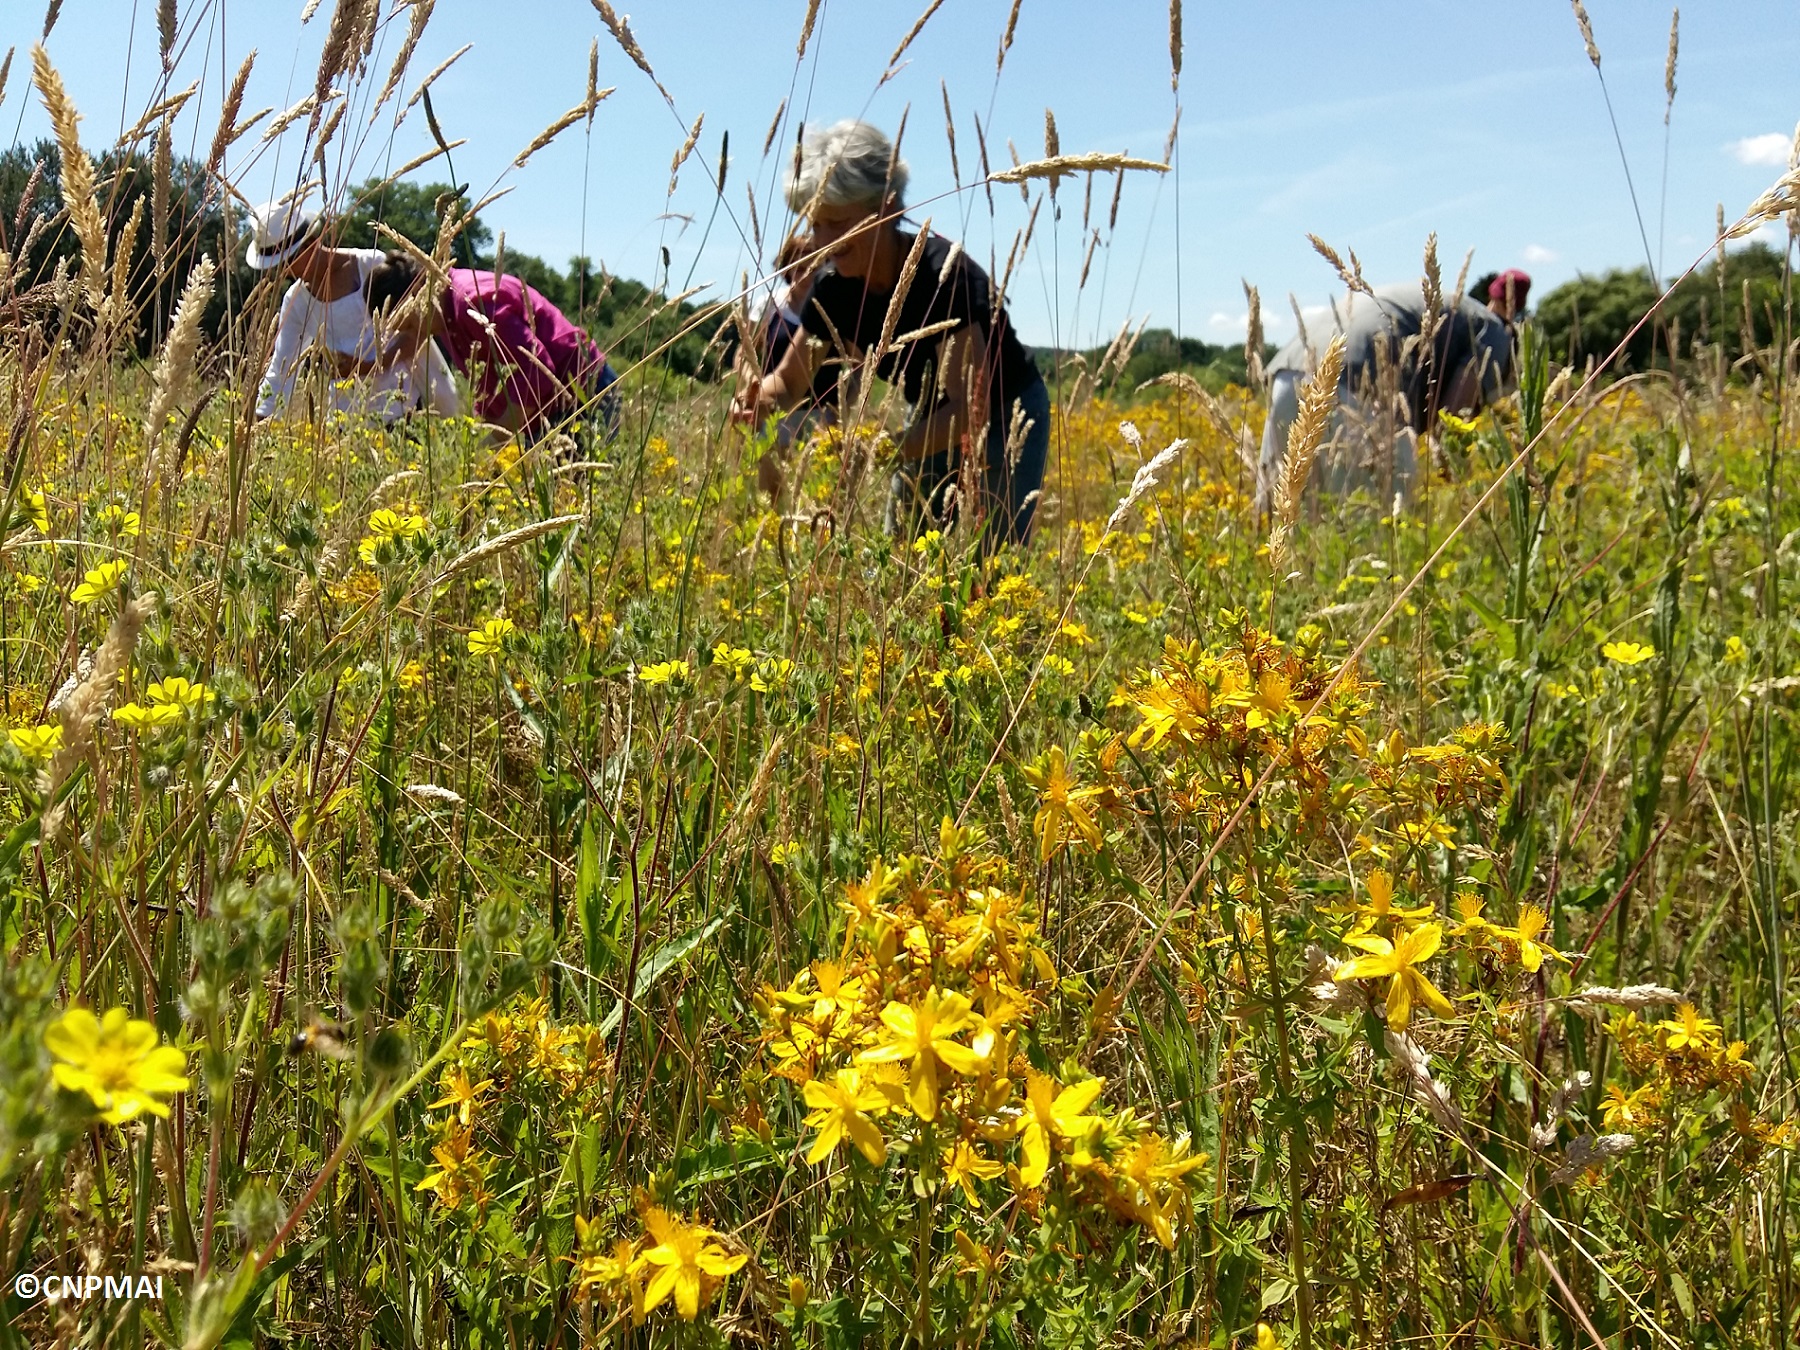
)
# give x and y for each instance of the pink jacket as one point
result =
(517, 347)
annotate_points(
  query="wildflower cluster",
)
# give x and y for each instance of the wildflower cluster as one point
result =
(920, 1042)
(677, 1260)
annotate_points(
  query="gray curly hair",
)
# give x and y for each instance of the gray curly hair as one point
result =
(847, 164)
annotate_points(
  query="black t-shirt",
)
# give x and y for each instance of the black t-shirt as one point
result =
(857, 313)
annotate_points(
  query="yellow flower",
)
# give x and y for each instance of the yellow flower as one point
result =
(101, 582)
(1621, 1110)
(460, 1094)
(1265, 1334)
(387, 530)
(665, 672)
(736, 660)
(490, 638)
(1627, 653)
(1273, 698)
(688, 1263)
(919, 1036)
(1689, 1030)
(459, 1168)
(137, 717)
(1405, 984)
(1380, 906)
(410, 676)
(964, 1166)
(615, 1271)
(115, 1060)
(36, 742)
(783, 854)
(1064, 814)
(175, 692)
(116, 518)
(1051, 1116)
(1735, 650)
(1532, 922)
(37, 508)
(841, 1111)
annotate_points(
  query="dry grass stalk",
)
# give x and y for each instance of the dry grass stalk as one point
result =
(1318, 396)
(501, 543)
(1175, 44)
(78, 188)
(1093, 162)
(1088, 260)
(175, 368)
(226, 132)
(82, 710)
(288, 118)
(621, 31)
(1143, 481)
(1782, 198)
(415, 29)
(570, 118)
(950, 260)
(326, 132)
(415, 162)
(165, 109)
(806, 31)
(1006, 38)
(1052, 148)
(1112, 214)
(166, 29)
(1352, 275)
(950, 135)
(306, 15)
(5, 71)
(1253, 334)
(436, 71)
(50, 17)
(338, 52)
(987, 173)
(908, 270)
(1431, 316)
(911, 33)
(774, 126)
(161, 172)
(1669, 65)
(121, 269)
(687, 148)
(1587, 32)
(593, 83)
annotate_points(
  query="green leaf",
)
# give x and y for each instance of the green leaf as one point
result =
(659, 963)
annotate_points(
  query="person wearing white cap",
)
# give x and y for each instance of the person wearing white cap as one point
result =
(324, 309)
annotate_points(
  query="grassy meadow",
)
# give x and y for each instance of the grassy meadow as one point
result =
(462, 894)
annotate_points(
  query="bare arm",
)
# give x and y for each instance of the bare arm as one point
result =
(782, 388)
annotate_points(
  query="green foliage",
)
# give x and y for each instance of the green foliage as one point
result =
(1732, 307)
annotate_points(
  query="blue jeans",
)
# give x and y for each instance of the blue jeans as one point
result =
(919, 496)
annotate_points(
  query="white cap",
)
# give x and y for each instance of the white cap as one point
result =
(279, 230)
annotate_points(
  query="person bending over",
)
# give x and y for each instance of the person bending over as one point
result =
(533, 370)
(963, 371)
(1391, 389)
(324, 310)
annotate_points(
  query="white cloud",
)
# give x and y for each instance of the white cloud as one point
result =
(1537, 253)
(1770, 149)
(1232, 324)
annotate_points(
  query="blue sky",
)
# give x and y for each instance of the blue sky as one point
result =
(1369, 124)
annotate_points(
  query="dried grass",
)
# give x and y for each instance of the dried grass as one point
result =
(1093, 162)
(1318, 396)
(78, 185)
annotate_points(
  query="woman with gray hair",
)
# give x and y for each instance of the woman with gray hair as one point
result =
(973, 389)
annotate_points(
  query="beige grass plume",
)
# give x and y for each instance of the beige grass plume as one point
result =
(687, 148)
(1175, 44)
(437, 70)
(1352, 275)
(167, 27)
(415, 29)
(1092, 162)
(950, 135)
(82, 710)
(175, 368)
(5, 72)
(593, 83)
(582, 110)
(1318, 396)
(907, 41)
(78, 189)
(1669, 65)
(1253, 334)
(621, 31)
(1782, 198)
(1146, 478)
(227, 130)
(1006, 37)
(806, 31)
(1431, 316)
(501, 543)
(1587, 32)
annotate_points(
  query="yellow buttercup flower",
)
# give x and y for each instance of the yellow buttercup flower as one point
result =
(410, 676)
(919, 1036)
(736, 661)
(116, 1061)
(689, 1264)
(1627, 653)
(138, 717)
(1052, 1116)
(101, 582)
(117, 519)
(665, 672)
(841, 1111)
(388, 529)
(772, 675)
(490, 638)
(176, 692)
(36, 742)
(37, 507)
(1524, 935)
(964, 1165)
(460, 1094)
(1064, 814)
(1406, 985)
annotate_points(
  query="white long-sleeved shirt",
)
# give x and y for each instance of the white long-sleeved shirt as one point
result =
(344, 326)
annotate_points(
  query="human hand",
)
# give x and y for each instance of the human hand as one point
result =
(751, 404)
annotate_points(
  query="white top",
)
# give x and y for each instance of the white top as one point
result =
(345, 326)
